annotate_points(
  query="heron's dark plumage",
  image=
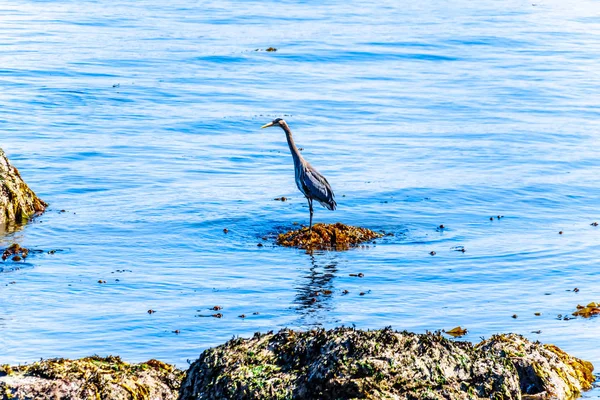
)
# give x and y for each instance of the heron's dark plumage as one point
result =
(315, 186)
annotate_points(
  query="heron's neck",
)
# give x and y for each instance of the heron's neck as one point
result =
(293, 149)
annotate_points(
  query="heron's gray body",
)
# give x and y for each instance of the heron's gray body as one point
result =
(310, 182)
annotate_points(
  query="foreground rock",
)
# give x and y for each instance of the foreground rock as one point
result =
(345, 363)
(90, 378)
(327, 237)
(17, 202)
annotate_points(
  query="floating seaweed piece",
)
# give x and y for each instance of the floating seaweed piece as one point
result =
(588, 311)
(336, 236)
(457, 332)
(282, 198)
(270, 49)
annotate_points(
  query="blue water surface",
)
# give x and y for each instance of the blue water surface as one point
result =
(142, 121)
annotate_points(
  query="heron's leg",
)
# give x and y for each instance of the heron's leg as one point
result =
(311, 214)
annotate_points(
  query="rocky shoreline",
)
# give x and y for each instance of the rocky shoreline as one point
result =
(341, 363)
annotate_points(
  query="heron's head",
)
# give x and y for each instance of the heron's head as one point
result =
(276, 122)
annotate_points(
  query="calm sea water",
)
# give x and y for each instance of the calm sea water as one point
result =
(141, 120)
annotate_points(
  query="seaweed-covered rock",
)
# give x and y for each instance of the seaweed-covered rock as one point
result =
(17, 201)
(90, 378)
(544, 370)
(327, 237)
(344, 363)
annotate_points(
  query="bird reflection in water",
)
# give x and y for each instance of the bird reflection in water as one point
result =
(315, 292)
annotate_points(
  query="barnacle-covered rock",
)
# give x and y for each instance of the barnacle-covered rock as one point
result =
(17, 202)
(90, 378)
(544, 370)
(345, 363)
(336, 236)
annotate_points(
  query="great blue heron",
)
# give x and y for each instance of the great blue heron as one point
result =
(311, 183)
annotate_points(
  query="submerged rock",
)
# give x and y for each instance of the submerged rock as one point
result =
(327, 237)
(17, 202)
(90, 378)
(344, 363)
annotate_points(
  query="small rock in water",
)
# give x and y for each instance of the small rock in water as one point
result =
(19, 253)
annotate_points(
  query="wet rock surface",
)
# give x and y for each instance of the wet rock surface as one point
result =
(336, 236)
(344, 363)
(17, 202)
(90, 378)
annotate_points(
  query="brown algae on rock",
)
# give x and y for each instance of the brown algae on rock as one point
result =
(544, 370)
(348, 363)
(17, 201)
(336, 236)
(90, 378)
(15, 250)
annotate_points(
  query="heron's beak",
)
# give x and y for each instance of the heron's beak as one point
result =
(267, 125)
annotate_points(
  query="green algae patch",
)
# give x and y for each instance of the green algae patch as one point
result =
(91, 378)
(336, 236)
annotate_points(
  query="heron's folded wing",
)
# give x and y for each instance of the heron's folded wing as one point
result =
(318, 188)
